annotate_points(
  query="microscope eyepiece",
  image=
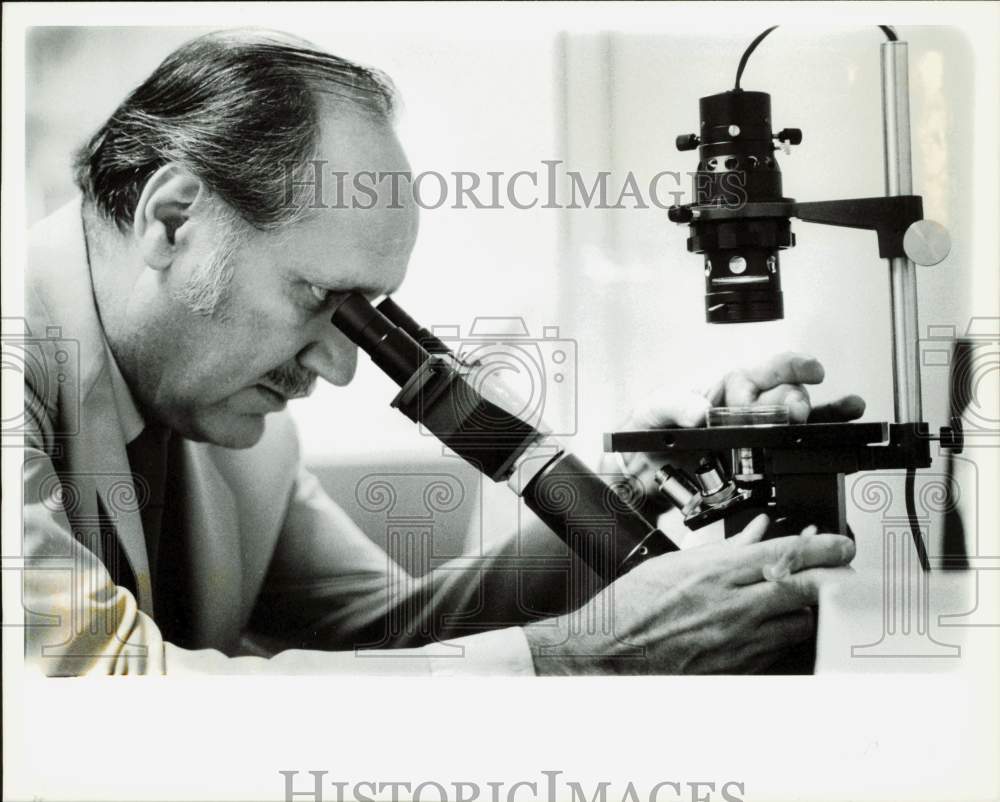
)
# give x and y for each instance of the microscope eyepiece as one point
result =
(397, 315)
(391, 348)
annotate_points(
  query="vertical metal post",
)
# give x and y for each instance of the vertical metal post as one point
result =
(902, 272)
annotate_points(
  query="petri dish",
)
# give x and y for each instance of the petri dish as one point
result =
(762, 415)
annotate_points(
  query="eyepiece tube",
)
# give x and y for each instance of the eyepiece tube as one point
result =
(394, 312)
(436, 393)
(389, 346)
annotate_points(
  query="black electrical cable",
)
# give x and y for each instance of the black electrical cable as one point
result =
(747, 52)
(888, 30)
(911, 514)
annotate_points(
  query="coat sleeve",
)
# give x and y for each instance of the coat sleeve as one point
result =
(329, 586)
(78, 622)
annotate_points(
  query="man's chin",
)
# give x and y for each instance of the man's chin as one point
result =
(229, 430)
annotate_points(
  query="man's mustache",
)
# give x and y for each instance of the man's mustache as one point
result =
(291, 380)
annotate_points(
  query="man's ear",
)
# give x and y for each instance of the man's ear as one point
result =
(163, 209)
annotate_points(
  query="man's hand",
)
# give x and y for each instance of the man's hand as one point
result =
(782, 379)
(706, 610)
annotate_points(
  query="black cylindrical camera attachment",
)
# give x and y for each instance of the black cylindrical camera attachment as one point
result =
(737, 169)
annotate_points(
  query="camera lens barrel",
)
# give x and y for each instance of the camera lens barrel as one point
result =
(736, 169)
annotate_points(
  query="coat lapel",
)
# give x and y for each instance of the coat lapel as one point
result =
(103, 450)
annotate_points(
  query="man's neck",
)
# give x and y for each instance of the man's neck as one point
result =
(113, 274)
(109, 275)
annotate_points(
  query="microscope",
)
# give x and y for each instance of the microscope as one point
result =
(751, 459)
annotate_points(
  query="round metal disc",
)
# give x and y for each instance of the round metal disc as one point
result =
(926, 242)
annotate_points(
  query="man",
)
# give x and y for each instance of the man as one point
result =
(169, 524)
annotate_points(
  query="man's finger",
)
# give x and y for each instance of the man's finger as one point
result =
(794, 553)
(849, 407)
(797, 590)
(793, 396)
(745, 386)
(787, 368)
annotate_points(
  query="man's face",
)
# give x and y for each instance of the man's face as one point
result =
(213, 377)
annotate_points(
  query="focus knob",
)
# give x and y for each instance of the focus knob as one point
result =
(679, 214)
(687, 142)
(926, 242)
(952, 437)
(793, 136)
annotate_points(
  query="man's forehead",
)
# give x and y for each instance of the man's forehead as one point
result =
(354, 140)
(359, 231)
(351, 249)
(360, 180)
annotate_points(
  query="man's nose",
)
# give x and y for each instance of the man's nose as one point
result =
(332, 357)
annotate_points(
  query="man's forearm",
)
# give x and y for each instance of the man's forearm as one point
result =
(527, 577)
